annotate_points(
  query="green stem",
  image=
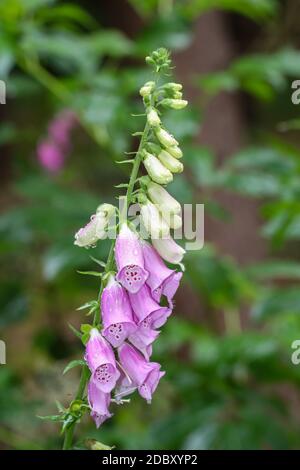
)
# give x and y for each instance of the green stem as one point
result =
(136, 165)
(79, 396)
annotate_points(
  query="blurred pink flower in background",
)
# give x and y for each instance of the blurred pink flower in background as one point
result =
(55, 147)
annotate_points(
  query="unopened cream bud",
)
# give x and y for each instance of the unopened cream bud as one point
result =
(153, 117)
(160, 196)
(147, 89)
(174, 221)
(106, 209)
(153, 221)
(153, 148)
(157, 172)
(169, 250)
(174, 165)
(173, 103)
(177, 95)
(95, 230)
(175, 152)
(165, 138)
(173, 86)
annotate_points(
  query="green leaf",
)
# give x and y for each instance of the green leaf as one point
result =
(73, 364)
(86, 328)
(110, 42)
(254, 9)
(291, 125)
(91, 304)
(84, 338)
(277, 302)
(67, 12)
(122, 185)
(266, 159)
(68, 420)
(137, 134)
(90, 273)
(216, 82)
(60, 407)
(121, 162)
(75, 331)
(253, 184)
(55, 418)
(275, 269)
(98, 261)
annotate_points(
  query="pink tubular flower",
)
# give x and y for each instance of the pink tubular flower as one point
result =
(60, 127)
(50, 156)
(144, 375)
(161, 280)
(54, 148)
(116, 313)
(147, 310)
(129, 259)
(143, 338)
(101, 361)
(99, 403)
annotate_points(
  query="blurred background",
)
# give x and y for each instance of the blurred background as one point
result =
(72, 71)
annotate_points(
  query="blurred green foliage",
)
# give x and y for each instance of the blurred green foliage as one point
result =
(232, 387)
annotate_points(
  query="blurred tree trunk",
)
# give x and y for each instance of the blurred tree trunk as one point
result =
(223, 131)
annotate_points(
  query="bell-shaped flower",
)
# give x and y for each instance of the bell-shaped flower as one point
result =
(143, 374)
(130, 261)
(165, 138)
(160, 196)
(101, 361)
(175, 151)
(143, 338)
(153, 221)
(99, 403)
(147, 310)
(95, 230)
(116, 312)
(171, 163)
(169, 250)
(153, 117)
(156, 170)
(161, 280)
